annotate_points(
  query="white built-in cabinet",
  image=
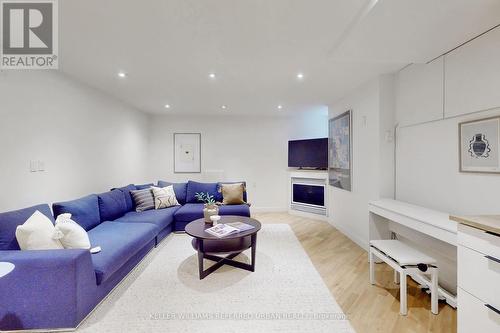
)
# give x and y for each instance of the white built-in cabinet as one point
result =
(472, 76)
(478, 281)
(464, 81)
(419, 96)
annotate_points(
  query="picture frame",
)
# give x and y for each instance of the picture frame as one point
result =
(187, 152)
(340, 151)
(478, 145)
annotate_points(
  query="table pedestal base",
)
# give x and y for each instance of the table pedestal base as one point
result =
(201, 246)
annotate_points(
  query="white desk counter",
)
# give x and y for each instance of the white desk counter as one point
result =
(427, 221)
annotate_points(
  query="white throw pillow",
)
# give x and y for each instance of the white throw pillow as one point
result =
(164, 197)
(70, 234)
(36, 234)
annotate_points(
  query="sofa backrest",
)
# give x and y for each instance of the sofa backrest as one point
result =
(219, 191)
(84, 211)
(144, 186)
(112, 205)
(195, 187)
(10, 220)
(128, 197)
(180, 190)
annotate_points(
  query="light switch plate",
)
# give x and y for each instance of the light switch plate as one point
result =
(33, 166)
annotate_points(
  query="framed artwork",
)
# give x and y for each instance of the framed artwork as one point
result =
(478, 145)
(340, 151)
(187, 152)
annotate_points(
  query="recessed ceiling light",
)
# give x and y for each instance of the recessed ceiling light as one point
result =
(280, 107)
(300, 76)
(122, 74)
(212, 75)
(167, 106)
(223, 107)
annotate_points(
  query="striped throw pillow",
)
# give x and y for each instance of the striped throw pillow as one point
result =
(164, 197)
(143, 199)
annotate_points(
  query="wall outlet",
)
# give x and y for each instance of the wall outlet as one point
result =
(389, 137)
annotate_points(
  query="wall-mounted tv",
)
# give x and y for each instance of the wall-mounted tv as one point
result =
(308, 154)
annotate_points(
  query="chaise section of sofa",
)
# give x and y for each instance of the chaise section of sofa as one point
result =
(47, 289)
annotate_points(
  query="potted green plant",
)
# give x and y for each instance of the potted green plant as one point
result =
(210, 208)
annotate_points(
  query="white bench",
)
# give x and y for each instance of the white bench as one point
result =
(405, 260)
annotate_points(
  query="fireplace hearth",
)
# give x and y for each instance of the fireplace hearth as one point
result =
(308, 195)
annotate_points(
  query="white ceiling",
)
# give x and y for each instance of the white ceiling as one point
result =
(168, 48)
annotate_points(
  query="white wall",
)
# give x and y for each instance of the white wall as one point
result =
(372, 161)
(87, 141)
(308, 124)
(427, 145)
(250, 148)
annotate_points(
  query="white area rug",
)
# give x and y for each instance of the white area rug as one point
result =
(164, 293)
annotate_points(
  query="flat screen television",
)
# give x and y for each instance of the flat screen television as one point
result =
(310, 154)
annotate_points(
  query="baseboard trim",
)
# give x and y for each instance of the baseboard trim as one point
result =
(308, 215)
(360, 242)
(268, 209)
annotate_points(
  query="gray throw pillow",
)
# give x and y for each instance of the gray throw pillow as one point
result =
(144, 199)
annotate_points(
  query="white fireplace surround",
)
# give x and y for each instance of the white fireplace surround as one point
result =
(308, 177)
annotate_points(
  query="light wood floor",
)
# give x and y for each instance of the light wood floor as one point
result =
(343, 265)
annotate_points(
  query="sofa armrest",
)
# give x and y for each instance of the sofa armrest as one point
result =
(47, 289)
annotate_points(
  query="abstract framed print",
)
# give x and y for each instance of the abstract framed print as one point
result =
(340, 151)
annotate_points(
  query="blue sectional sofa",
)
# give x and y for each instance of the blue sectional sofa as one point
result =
(57, 289)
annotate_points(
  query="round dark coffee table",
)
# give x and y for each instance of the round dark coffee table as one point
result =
(211, 247)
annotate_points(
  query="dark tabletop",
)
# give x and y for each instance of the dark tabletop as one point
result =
(197, 227)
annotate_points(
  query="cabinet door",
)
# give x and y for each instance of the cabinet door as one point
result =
(473, 76)
(479, 275)
(475, 316)
(419, 94)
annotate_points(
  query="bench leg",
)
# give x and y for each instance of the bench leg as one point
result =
(434, 290)
(372, 267)
(403, 309)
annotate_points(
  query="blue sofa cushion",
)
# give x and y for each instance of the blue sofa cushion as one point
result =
(144, 186)
(161, 218)
(118, 242)
(219, 191)
(180, 190)
(189, 212)
(195, 187)
(240, 210)
(112, 205)
(84, 211)
(126, 193)
(10, 220)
